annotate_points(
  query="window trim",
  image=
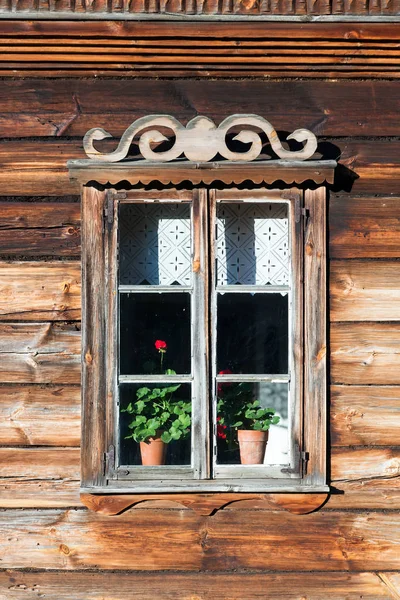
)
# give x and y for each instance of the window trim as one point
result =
(99, 244)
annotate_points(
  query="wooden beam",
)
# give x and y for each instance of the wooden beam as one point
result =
(202, 586)
(181, 540)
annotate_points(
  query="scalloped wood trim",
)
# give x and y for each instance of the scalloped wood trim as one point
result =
(258, 172)
(205, 504)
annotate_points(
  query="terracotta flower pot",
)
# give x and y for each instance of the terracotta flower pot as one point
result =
(252, 445)
(153, 452)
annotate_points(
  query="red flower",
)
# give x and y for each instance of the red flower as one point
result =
(221, 386)
(221, 430)
(161, 345)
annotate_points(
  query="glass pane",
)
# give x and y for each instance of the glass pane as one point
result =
(155, 244)
(155, 424)
(145, 321)
(252, 333)
(252, 246)
(242, 407)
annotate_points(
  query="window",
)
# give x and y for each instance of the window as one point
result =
(204, 313)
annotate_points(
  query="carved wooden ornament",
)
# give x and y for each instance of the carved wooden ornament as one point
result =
(200, 141)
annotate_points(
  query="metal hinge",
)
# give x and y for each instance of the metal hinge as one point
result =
(109, 462)
(304, 457)
(300, 459)
(109, 212)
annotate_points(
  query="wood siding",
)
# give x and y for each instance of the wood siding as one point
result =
(50, 545)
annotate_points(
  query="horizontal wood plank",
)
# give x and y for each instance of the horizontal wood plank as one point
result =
(327, 108)
(364, 227)
(365, 463)
(40, 353)
(18, 492)
(32, 229)
(195, 586)
(365, 353)
(40, 291)
(40, 415)
(40, 463)
(364, 290)
(181, 540)
(365, 494)
(365, 415)
(371, 166)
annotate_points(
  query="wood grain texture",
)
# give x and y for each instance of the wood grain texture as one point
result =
(32, 229)
(365, 463)
(211, 55)
(71, 539)
(365, 353)
(15, 585)
(29, 168)
(39, 415)
(40, 463)
(364, 227)
(364, 291)
(327, 108)
(365, 494)
(40, 353)
(40, 291)
(39, 493)
(166, 8)
(365, 415)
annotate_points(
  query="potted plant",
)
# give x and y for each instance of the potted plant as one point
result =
(240, 411)
(159, 418)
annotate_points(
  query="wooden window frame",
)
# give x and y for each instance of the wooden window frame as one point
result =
(99, 310)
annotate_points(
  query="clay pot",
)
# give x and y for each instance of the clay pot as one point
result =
(153, 452)
(252, 445)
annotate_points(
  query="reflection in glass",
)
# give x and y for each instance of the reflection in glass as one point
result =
(252, 333)
(151, 411)
(155, 244)
(252, 245)
(242, 406)
(146, 318)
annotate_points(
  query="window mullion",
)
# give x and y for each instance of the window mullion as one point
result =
(200, 345)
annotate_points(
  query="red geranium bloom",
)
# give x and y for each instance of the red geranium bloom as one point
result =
(221, 430)
(221, 386)
(160, 345)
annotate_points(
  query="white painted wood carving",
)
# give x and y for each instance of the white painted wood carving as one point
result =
(200, 141)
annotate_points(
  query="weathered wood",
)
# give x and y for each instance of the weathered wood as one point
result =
(40, 291)
(364, 291)
(181, 540)
(326, 108)
(365, 415)
(15, 585)
(29, 168)
(94, 336)
(366, 463)
(40, 463)
(40, 228)
(364, 227)
(38, 415)
(204, 504)
(315, 335)
(221, 30)
(365, 353)
(39, 353)
(37, 493)
(365, 494)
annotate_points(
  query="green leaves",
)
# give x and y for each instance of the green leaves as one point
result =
(238, 409)
(158, 414)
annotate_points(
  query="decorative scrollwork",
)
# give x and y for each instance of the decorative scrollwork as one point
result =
(200, 141)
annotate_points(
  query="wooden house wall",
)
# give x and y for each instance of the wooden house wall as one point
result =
(51, 546)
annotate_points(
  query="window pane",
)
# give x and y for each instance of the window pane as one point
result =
(165, 410)
(149, 318)
(238, 407)
(252, 333)
(155, 244)
(252, 246)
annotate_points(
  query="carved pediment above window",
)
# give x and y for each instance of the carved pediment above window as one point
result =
(201, 140)
(160, 148)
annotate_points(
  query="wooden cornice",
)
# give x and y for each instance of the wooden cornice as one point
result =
(219, 50)
(205, 9)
